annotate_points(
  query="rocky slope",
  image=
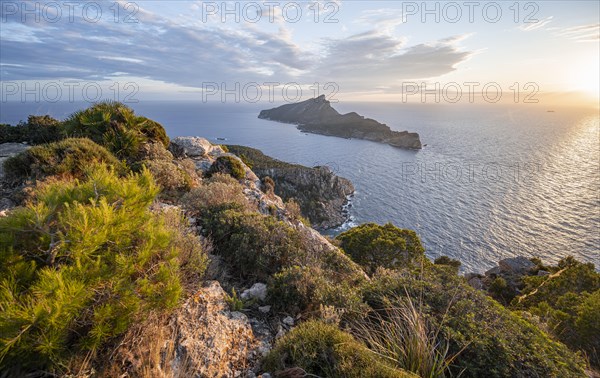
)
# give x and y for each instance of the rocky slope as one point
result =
(323, 196)
(318, 117)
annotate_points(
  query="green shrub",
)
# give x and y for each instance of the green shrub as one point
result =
(66, 157)
(401, 333)
(568, 302)
(445, 260)
(254, 246)
(218, 192)
(372, 246)
(154, 151)
(117, 127)
(37, 130)
(307, 288)
(82, 262)
(500, 291)
(485, 338)
(169, 176)
(323, 350)
(229, 165)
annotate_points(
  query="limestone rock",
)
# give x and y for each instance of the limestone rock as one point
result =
(257, 291)
(519, 265)
(192, 146)
(214, 340)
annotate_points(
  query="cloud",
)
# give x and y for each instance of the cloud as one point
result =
(372, 59)
(536, 25)
(580, 33)
(188, 53)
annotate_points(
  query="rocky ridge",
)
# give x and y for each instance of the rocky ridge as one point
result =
(322, 195)
(317, 116)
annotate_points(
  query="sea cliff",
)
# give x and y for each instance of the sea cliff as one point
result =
(319, 117)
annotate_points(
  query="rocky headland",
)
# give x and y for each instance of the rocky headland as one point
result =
(317, 116)
(323, 196)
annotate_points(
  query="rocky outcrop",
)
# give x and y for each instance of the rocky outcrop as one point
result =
(7, 150)
(215, 341)
(318, 117)
(267, 204)
(322, 195)
(511, 271)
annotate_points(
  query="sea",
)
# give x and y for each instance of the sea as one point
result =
(493, 181)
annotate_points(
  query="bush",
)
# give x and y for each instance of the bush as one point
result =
(115, 126)
(221, 191)
(445, 260)
(484, 338)
(81, 263)
(402, 333)
(372, 246)
(308, 288)
(568, 302)
(293, 211)
(229, 165)
(169, 176)
(37, 130)
(255, 246)
(68, 157)
(325, 351)
(154, 151)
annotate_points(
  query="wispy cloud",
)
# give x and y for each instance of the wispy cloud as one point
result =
(580, 33)
(536, 25)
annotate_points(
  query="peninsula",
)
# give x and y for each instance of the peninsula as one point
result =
(318, 117)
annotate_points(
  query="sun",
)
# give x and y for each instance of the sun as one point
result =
(585, 76)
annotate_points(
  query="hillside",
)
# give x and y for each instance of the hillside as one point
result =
(126, 253)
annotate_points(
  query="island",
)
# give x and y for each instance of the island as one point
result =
(318, 117)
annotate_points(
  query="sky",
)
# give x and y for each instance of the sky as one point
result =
(272, 50)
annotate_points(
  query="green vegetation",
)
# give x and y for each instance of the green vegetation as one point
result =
(259, 161)
(234, 301)
(401, 333)
(483, 338)
(229, 165)
(117, 127)
(372, 246)
(568, 302)
(69, 157)
(88, 256)
(37, 130)
(82, 262)
(325, 351)
(445, 260)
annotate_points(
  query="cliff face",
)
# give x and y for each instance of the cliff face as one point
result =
(320, 193)
(317, 116)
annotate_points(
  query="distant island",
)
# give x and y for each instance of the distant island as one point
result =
(318, 117)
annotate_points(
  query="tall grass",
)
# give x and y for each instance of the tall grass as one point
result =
(402, 334)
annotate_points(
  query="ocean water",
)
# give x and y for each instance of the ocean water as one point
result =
(494, 181)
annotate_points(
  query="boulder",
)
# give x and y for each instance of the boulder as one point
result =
(193, 147)
(519, 265)
(257, 291)
(216, 341)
